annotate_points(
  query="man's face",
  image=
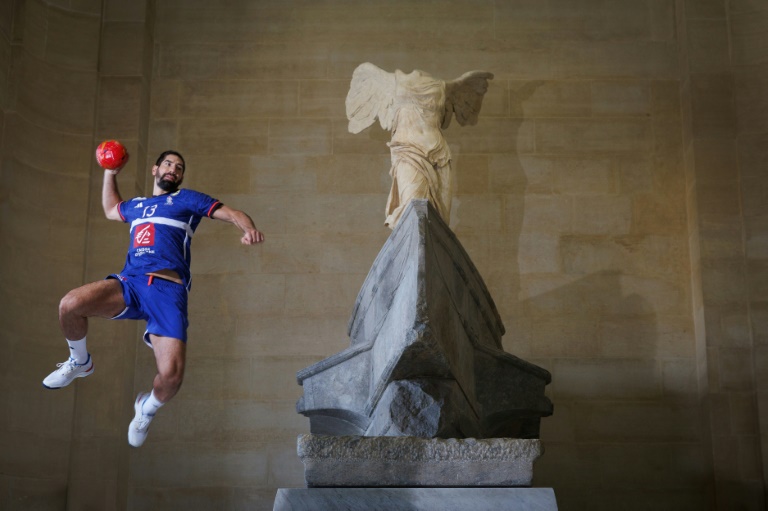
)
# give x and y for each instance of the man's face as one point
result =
(169, 174)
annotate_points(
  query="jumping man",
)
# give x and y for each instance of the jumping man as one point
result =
(152, 286)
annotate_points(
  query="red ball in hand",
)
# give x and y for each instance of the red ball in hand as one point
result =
(111, 154)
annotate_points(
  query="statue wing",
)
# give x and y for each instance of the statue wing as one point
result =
(370, 95)
(464, 97)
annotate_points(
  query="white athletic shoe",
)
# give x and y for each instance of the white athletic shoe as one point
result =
(139, 427)
(67, 372)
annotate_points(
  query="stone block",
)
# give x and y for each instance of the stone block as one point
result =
(679, 379)
(72, 39)
(223, 137)
(583, 176)
(646, 337)
(751, 103)
(514, 174)
(242, 294)
(552, 214)
(637, 423)
(116, 10)
(470, 213)
(322, 98)
(147, 497)
(279, 174)
(238, 98)
(748, 36)
(55, 98)
(606, 379)
(301, 136)
(705, 9)
(352, 173)
(712, 96)
(654, 214)
(602, 215)
(164, 133)
(708, 45)
(539, 254)
(220, 378)
(27, 454)
(186, 465)
(22, 494)
(210, 422)
(118, 107)
(337, 214)
(416, 499)
(590, 136)
(122, 50)
(95, 493)
(353, 461)
(565, 335)
(308, 336)
(320, 294)
(164, 101)
(616, 59)
(656, 465)
(493, 135)
(662, 20)
(530, 99)
(734, 369)
(620, 98)
(96, 458)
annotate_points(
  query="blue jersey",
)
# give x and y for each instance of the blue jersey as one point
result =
(162, 229)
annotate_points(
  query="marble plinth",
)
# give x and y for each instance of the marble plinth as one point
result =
(355, 461)
(416, 499)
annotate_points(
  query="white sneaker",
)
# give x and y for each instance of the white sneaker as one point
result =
(139, 427)
(67, 372)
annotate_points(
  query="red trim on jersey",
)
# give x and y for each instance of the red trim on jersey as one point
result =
(214, 206)
(118, 210)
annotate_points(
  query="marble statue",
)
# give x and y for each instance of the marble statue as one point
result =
(415, 107)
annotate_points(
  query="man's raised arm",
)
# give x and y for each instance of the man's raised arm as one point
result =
(251, 235)
(110, 196)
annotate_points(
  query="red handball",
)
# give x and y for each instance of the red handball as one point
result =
(111, 154)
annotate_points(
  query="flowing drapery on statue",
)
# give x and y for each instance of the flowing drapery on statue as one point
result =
(415, 107)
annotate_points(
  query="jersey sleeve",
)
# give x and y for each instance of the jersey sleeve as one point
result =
(201, 204)
(128, 210)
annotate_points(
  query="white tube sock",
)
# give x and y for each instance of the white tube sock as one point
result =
(151, 404)
(78, 351)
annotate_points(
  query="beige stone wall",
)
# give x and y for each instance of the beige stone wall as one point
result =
(724, 86)
(610, 195)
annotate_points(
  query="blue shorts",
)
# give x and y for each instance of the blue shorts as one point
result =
(162, 303)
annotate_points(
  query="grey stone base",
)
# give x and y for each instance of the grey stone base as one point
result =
(415, 499)
(369, 462)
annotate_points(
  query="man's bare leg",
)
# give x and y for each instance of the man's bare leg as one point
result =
(104, 299)
(170, 356)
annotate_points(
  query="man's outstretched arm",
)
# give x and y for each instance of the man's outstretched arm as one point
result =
(243, 222)
(110, 196)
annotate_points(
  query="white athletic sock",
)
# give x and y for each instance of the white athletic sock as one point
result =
(78, 351)
(151, 404)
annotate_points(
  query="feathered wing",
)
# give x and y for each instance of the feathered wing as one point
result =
(464, 97)
(370, 95)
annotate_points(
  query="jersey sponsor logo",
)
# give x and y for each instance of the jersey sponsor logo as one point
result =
(139, 205)
(144, 236)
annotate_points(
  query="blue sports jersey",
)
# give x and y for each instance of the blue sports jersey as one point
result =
(162, 229)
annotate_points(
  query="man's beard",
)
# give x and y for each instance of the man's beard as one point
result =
(168, 186)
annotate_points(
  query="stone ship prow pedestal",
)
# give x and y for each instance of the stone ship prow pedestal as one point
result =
(424, 397)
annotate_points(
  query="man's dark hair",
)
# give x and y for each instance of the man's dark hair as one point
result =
(163, 155)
